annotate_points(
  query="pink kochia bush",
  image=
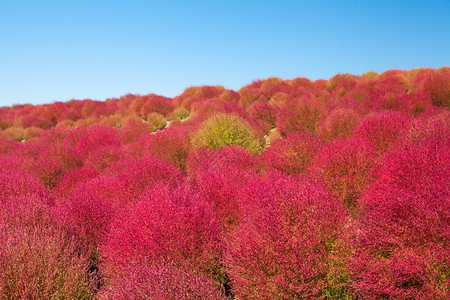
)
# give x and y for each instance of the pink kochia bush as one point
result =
(94, 137)
(403, 233)
(293, 154)
(340, 123)
(172, 145)
(70, 180)
(137, 175)
(382, 130)
(345, 167)
(286, 245)
(38, 258)
(220, 175)
(300, 114)
(436, 85)
(15, 183)
(91, 207)
(163, 280)
(168, 224)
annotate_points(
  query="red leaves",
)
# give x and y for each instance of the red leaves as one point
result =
(404, 229)
(436, 85)
(294, 154)
(39, 259)
(283, 247)
(301, 114)
(170, 224)
(351, 200)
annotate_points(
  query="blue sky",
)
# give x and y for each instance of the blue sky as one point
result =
(61, 50)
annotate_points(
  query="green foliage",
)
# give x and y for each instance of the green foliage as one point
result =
(226, 129)
(179, 113)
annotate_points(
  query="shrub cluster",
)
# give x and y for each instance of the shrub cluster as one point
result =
(284, 189)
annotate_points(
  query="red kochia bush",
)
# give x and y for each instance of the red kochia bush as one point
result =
(38, 258)
(94, 137)
(103, 156)
(155, 103)
(166, 224)
(284, 247)
(91, 207)
(386, 96)
(171, 144)
(250, 93)
(436, 85)
(162, 281)
(347, 103)
(345, 166)
(383, 130)
(338, 78)
(293, 154)
(35, 121)
(416, 103)
(17, 183)
(340, 123)
(140, 174)
(300, 115)
(264, 112)
(403, 233)
(49, 170)
(70, 180)
(132, 128)
(219, 175)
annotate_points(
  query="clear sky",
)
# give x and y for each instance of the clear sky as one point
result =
(61, 50)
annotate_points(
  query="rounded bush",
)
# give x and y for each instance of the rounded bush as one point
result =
(300, 115)
(284, 248)
(156, 104)
(94, 137)
(19, 183)
(340, 123)
(38, 258)
(132, 127)
(383, 130)
(387, 96)
(180, 113)
(171, 144)
(102, 157)
(219, 175)
(137, 175)
(226, 129)
(166, 224)
(49, 170)
(293, 154)
(72, 178)
(345, 167)
(35, 121)
(337, 79)
(437, 86)
(264, 111)
(162, 280)
(91, 207)
(402, 243)
(250, 93)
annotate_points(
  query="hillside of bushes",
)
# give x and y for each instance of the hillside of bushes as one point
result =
(284, 189)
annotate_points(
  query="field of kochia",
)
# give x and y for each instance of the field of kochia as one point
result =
(284, 189)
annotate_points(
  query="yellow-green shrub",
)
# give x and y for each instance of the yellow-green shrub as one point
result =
(179, 113)
(226, 129)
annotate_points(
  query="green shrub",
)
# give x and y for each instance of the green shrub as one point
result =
(226, 129)
(179, 113)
